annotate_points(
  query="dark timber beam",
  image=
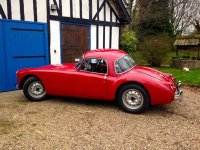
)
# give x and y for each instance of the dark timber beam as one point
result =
(98, 10)
(21, 2)
(97, 28)
(81, 7)
(48, 23)
(9, 9)
(104, 28)
(84, 21)
(113, 10)
(90, 9)
(60, 10)
(71, 8)
(2, 13)
(110, 41)
(35, 10)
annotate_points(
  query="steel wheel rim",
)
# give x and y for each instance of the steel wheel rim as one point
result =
(133, 99)
(36, 89)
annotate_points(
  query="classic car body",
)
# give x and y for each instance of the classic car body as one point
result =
(98, 76)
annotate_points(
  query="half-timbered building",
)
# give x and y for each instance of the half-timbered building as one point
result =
(39, 32)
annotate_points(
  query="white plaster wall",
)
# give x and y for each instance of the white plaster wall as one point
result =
(107, 37)
(4, 6)
(115, 37)
(55, 42)
(66, 8)
(41, 11)
(100, 36)
(93, 36)
(28, 10)
(15, 8)
(101, 14)
(85, 9)
(113, 17)
(94, 7)
(107, 12)
(76, 9)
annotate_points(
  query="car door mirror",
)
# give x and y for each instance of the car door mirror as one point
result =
(77, 60)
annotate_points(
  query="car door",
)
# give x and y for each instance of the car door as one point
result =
(90, 79)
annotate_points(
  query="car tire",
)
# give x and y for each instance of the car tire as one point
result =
(34, 90)
(133, 98)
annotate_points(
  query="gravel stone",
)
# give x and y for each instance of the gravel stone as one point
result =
(63, 123)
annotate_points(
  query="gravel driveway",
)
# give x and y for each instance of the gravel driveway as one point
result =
(61, 123)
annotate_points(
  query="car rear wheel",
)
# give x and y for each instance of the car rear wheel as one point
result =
(133, 98)
(34, 90)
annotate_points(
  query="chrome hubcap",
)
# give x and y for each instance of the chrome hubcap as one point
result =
(132, 98)
(36, 89)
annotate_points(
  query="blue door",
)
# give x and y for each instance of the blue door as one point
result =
(2, 60)
(25, 46)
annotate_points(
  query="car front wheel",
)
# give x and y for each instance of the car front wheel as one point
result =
(133, 98)
(34, 90)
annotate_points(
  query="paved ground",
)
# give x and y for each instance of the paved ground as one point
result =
(61, 123)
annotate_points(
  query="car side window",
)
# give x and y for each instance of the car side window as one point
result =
(96, 65)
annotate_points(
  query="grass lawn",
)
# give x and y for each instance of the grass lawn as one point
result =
(191, 77)
(139, 59)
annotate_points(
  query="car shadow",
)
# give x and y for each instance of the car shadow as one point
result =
(81, 101)
(163, 110)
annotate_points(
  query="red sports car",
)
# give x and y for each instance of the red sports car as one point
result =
(105, 74)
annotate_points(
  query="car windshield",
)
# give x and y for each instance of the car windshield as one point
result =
(124, 64)
(78, 63)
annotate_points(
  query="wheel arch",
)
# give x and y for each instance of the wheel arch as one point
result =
(25, 78)
(133, 82)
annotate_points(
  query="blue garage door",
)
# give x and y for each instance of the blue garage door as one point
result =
(2, 60)
(23, 45)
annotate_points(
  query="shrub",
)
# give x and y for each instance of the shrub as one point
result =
(137, 57)
(128, 41)
(154, 48)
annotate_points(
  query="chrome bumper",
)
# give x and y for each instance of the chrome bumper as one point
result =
(179, 92)
(17, 87)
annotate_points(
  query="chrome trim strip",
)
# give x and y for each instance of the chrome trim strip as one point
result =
(83, 56)
(124, 71)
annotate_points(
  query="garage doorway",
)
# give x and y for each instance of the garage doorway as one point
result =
(22, 45)
(75, 41)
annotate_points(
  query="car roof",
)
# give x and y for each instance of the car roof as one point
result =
(111, 54)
